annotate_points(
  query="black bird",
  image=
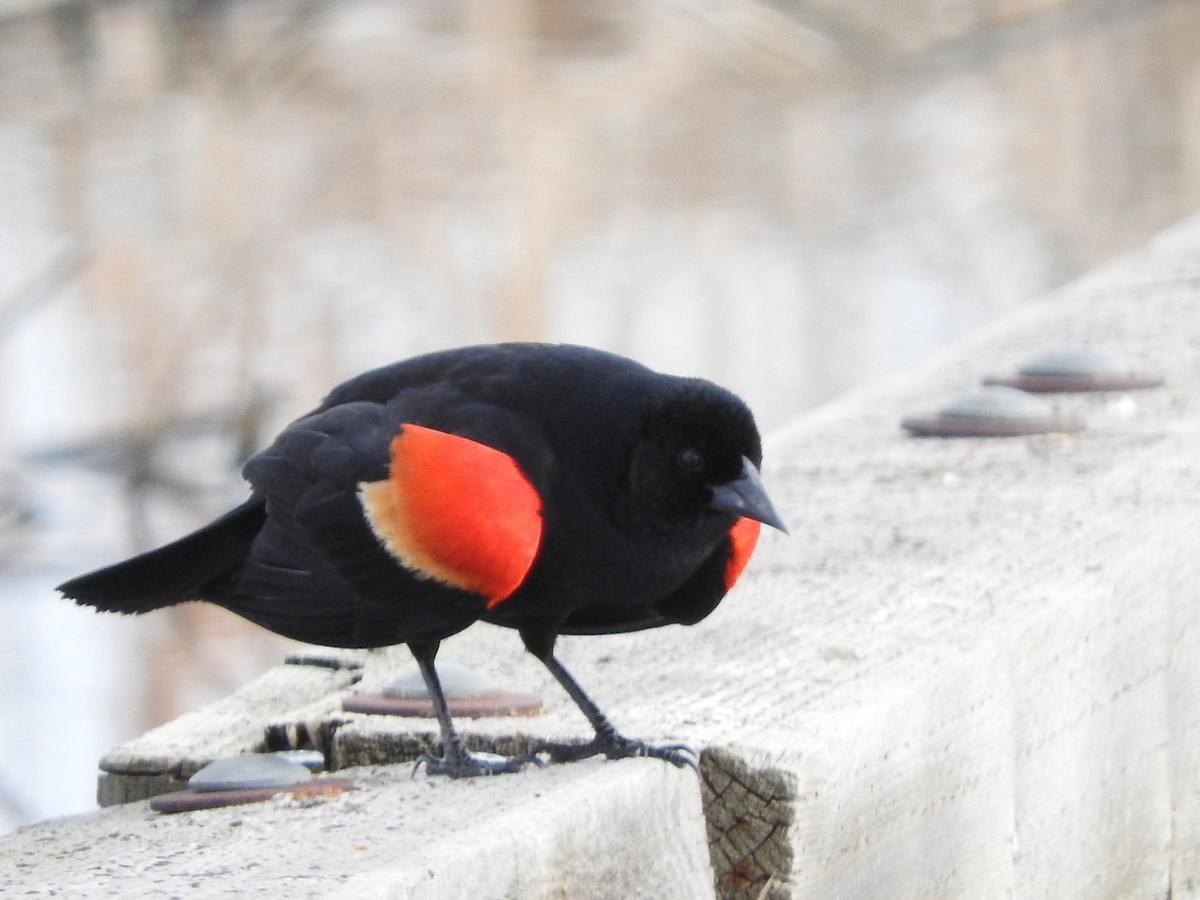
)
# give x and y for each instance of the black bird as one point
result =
(551, 489)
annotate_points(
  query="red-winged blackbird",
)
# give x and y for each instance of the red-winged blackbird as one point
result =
(551, 489)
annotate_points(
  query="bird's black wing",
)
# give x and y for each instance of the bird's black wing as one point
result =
(316, 571)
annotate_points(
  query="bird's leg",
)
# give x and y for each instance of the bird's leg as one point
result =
(607, 741)
(456, 760)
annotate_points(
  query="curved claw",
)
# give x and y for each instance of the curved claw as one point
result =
(618, 747)
(679, 755)
(471, 765)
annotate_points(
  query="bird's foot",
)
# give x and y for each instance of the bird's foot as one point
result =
(616, 746)
(461, 763)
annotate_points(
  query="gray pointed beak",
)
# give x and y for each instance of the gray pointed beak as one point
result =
(746, 496)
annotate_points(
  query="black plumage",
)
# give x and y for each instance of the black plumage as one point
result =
(642, 489)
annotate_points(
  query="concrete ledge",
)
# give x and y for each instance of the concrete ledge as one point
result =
(548, 833)
(973, 670)
(165, 758)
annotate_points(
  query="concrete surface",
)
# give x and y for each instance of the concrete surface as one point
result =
(165, 758)
(394, 837)
(972, 670)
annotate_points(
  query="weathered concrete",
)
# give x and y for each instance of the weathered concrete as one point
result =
(972, 670)
(395, 837)
(164, 759)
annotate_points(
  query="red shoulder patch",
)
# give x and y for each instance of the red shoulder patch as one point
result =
(457, 511)
(742, 538)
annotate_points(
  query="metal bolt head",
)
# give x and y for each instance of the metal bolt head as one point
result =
(992, 412)
(1075, 371)
(1004, 403)
(313, 760)
(253, 770)
(469, 695)
(1073, 363)
(457, 683)
(192, 800)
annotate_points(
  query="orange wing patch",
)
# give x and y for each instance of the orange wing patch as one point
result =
(742, 538)
(456, 511)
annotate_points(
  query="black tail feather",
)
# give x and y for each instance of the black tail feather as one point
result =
(180, 571)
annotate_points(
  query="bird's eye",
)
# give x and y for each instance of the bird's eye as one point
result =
(690, 460)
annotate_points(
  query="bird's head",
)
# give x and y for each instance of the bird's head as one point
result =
(696, 456)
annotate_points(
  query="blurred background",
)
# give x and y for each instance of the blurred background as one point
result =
(211, 211)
